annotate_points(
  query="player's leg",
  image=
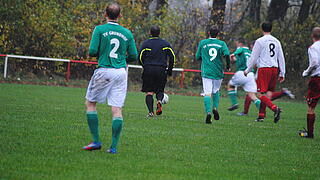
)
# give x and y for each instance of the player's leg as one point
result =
(161, 83)
(93, 123)
(250, 87)
(117, 123)
(282, 93)
(96, 92)
(254, 99)
(267, 80)
(311, 117)
(148, 88)
(216, 98)
(246, 106)
(149, 103)
(116, 98)
(207, 90)
(232, 93)
(273, 74)
(159, 97)
(262, 81)
(312, 100)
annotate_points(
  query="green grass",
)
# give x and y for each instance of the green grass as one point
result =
(42, 130)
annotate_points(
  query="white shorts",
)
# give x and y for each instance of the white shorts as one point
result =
(211, 85)
(247, 82)
(108, 84)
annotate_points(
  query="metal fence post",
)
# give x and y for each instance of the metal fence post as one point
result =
(5, 67)
(181, 79)
(68, 72)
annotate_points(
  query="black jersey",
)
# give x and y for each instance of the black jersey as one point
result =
(156, 52)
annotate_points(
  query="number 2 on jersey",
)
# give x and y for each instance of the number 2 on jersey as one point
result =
(213, 53)
(116, 43)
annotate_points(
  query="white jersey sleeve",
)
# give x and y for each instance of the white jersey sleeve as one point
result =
(256, 50)
(314, 60)
(281, 62)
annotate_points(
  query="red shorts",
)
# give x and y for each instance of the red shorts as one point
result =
(267, 79)
(313, 91)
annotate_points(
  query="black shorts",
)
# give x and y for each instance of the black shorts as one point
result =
(154, 79)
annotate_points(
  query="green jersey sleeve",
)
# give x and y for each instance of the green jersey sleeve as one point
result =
(238, 51)
(225, 49)
(198, 54)
(132, 50)
(94, 43)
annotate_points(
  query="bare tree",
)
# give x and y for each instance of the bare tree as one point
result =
(277, 9)
(160, 4)
(217, 14)
(254, 11)
(304, 10)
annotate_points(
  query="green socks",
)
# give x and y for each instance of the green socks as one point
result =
(116, 130)
(257, 102)
(92, 118)
(207, 104)
(216, 99)
(233, 97)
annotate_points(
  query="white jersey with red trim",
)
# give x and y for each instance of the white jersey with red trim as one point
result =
(267, 52)
(314, 60)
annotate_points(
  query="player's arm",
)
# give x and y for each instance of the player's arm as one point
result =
(94, 43)
(256, 50)
(172, 59)
(313, 63)
(282, 64)
(132, 50)
(237, 52)
(226, 53)
(198, 54)
(141, 51)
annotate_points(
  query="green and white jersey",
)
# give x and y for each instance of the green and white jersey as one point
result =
(242, 55)
(211, 52)
(113, 45)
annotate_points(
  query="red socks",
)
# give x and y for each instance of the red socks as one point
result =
(310, 123)
(276, 95)
(246, 106)
(267, 101)
(262, 110)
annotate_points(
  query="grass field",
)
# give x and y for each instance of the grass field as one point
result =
(42, 130)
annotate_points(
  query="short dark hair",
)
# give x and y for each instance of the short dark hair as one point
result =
(241, 40)
(214, 31)
(316, 33)
(155, 31)
(266, 27)
(113, 11)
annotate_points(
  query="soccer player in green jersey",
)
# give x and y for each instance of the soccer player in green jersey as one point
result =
(241, 55)
(114, 46)
(211, 51)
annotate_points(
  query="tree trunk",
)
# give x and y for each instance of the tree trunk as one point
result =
(254, 12)
(160, 4)
(277, 9)
(217, 14)
(304, 11)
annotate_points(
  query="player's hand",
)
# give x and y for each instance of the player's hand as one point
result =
(305, 73)
(169, 72)
(245, 73)
(281, 79)
(232, 57)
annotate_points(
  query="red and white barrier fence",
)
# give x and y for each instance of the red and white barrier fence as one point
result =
(69, 61)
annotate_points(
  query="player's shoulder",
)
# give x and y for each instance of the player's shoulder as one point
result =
(125, 30)
(164, 42)
(315, 45)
